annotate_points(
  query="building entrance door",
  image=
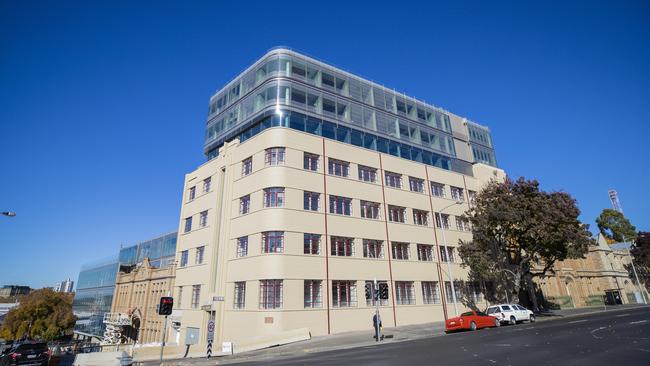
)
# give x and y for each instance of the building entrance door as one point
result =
(613, 297)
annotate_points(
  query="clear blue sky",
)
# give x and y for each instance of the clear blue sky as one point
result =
(103, 104)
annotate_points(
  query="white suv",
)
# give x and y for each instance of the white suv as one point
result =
(511, 313)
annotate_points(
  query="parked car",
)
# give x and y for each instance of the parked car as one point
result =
(26, 353)
(471, 320)
(511, 313)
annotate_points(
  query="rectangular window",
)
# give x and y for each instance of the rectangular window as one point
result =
(207, 184)
(400, 250)
(344, 294)
(273, 242)
(191, 193)
(342, 247)
(420, 217)
(245, 205)
(179, 297)
(416, 184)
(462, 224)
(198, 259)
(472, 196)
(457, 193)
(372, 301)
(313, 294)
(404, 293)
(341, 205)
(310, 162)
(445, 220)
(274, 197)
(242, 246)
(274, 156)
(184, 258)
(425, 252)
(247, 166)
(312, 244)
(437, 189)
(373, 248)
(338, 167)
(203, 219)
(430, 292)
(393, 179)
(367, 174)
(396, 213)
(188, 224)
(448, 294)
(270, 294)
(196, 296)
(370, 210)
(311, 201)
(443, 254)
(240, 295)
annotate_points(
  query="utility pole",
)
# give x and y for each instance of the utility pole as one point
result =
(375, 297)
(636, 277)
(162, 347)
(444, 241)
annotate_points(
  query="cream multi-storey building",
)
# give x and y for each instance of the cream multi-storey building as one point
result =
(318, 181)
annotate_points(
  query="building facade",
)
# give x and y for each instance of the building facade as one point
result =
(601, 277)
(317, 182)
(146, 274)
(93, 298)
(14, 290)
(64, 286)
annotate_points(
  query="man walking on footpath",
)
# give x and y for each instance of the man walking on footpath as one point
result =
(376, 322)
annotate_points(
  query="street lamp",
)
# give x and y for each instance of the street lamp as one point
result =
(444, 241)
(9, 213)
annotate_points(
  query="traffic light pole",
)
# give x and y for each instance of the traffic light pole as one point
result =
(162, 347)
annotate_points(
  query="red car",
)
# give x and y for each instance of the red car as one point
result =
(471, 320)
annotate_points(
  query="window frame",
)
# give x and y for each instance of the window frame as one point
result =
(272, 242)
(309, 163)
(239, 295)
(313, 294)
(274, 156)
(400, 251)
(271, 294)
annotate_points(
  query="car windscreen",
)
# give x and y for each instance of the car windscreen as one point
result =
(469, 313)
(32, 348)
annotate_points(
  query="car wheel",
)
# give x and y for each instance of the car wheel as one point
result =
(513, 321)
(532, 318)
(497, 323)
(472, 326)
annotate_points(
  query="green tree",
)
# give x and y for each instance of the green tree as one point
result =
(641, 257)
(43, 314)
(614, 226)
(519, 232)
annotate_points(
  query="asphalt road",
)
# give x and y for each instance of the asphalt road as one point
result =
(616, 338)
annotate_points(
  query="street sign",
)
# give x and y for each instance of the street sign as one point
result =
(217, 298)
(211, 330)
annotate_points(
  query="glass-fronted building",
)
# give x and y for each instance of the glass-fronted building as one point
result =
(286, 88)
(159, 250)
(94, 296)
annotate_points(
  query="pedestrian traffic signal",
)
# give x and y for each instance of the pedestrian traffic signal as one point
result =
(166, 305)
(383, 291)
(368, 291)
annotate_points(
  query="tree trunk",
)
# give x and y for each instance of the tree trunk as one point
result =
(531, 292)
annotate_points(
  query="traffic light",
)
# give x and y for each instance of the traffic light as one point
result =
(383, 291)
(368, 290)
(166, 305)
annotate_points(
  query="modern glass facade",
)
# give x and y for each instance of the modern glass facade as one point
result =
(285, 87)
(94, 296)
(160, 251)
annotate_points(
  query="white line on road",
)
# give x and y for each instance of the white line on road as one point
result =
(638, 322)
(577, 321)
(503, 345)
(596, 330)
(621, 315)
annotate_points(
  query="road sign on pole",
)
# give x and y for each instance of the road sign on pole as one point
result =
(210, 336)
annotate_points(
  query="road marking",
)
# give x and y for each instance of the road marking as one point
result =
(578, 321)
(503, 345)
(639, 322)
(596, 330)
(621, 315)
(644, 350)
(493, 361)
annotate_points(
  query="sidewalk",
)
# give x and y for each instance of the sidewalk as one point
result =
(365, 338)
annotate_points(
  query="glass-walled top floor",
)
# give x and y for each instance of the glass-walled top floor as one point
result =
(278, 93)
(160, 251)
(296, 66)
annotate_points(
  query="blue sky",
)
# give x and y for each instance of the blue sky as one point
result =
(103, 105)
